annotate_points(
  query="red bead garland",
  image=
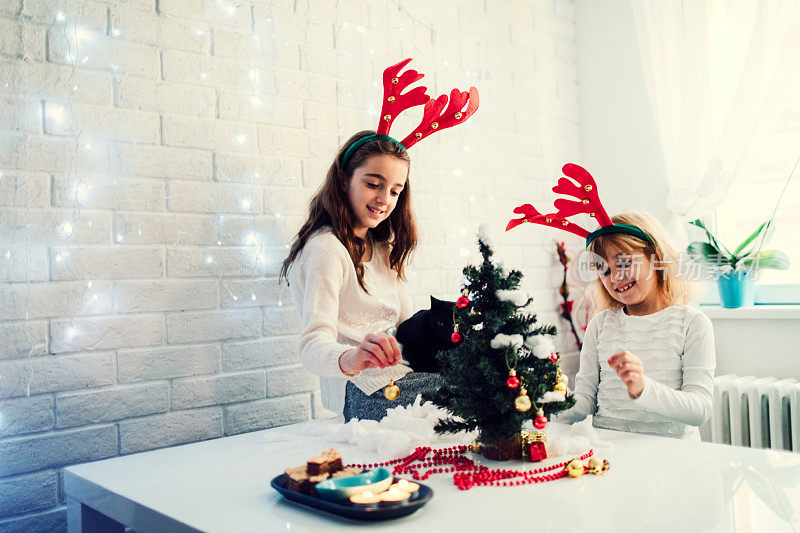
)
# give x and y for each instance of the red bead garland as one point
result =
(467, 474)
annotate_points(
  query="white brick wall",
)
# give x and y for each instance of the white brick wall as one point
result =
(157, 157)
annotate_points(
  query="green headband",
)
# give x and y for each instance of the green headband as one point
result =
(364, 140)
(626, 229)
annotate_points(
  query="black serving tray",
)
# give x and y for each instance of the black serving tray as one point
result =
(383, 512)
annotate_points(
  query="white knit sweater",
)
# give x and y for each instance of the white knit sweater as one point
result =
(676, 346)
(336, 313)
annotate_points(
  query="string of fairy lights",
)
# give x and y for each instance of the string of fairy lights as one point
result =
(251, 236)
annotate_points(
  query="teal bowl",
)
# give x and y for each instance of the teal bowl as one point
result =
(341, 488)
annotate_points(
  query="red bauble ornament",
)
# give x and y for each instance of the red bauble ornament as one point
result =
(540, 421)
(462, 302)
(554, 357)
(512, 382)
(455, 337)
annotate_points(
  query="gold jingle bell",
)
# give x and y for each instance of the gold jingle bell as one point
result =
(474, 447)
(392, 391)
(575, 468)
(522, 403)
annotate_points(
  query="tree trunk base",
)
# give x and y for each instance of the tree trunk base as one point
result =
(503, 449)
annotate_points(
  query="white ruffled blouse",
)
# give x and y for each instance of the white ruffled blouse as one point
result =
(676, 346)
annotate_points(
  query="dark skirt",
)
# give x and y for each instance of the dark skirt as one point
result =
(374, 406)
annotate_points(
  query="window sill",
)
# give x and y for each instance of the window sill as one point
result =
(771, 312)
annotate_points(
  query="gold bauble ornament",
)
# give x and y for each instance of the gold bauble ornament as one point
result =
(392, 391)
(596, 465)
(560, 387)
(575, 468)
(522, 403)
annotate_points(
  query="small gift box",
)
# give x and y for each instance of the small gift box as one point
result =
(533, 447)
(538, 451)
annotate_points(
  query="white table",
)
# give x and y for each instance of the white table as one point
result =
(655, 484)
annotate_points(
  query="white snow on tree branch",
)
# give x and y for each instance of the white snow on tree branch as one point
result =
(541, 346)
(500, 340)
(483, 235)
(552, 396)
(519, 298)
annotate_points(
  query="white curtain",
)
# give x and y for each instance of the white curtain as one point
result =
(717, 73)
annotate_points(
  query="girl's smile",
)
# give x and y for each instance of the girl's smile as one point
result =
(376, 212)
(625, 288)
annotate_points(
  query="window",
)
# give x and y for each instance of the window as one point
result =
(756, 195)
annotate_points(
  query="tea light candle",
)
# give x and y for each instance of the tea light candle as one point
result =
(406, 486)
(365, 500)
(394, 495)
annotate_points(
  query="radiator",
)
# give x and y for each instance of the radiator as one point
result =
(756, 412)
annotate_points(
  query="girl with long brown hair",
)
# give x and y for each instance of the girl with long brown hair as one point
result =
(346, 266)
(346, 269)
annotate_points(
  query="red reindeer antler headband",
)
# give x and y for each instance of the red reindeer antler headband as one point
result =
(433, 118)
(586, 201)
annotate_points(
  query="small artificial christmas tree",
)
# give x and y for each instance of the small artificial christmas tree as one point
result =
(504, 370)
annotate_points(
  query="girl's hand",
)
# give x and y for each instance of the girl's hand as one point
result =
(377, 350)
(630, 370)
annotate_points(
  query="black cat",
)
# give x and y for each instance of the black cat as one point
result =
(425, 334)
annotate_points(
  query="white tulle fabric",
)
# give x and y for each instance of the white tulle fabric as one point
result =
(406, 427)
(676, 346)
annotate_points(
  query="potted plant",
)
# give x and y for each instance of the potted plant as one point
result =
(736, 269)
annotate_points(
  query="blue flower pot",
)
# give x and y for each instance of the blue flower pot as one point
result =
(736, 289)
